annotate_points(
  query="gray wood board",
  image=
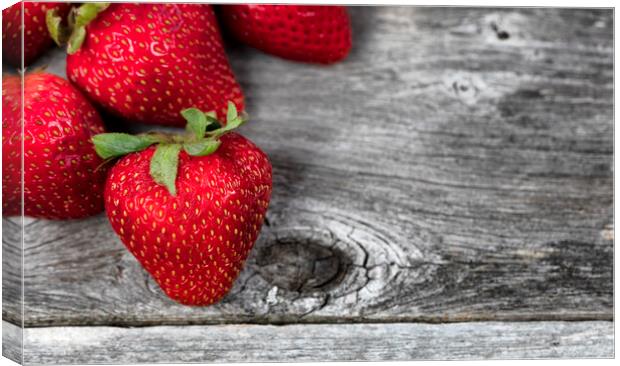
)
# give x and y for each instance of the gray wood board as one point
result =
(12, 337)
(456, 167)
(317, 342)
(12, 235)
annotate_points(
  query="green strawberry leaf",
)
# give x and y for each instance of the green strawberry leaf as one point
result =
(79, 18)
(87, 12)
(164, 166)
(233, 120)
(199, 123)
(75, 40)
(202, 148)
(231, 113)
(230, 125)
(111, 145)
(58, 32)
(196, 121)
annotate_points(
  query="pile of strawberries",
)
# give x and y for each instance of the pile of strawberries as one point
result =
(189, 205)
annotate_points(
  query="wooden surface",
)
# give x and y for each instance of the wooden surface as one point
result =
(317, 342)
(456, 168)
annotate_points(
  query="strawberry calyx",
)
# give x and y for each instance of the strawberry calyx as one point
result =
(201, 138)
(74, 32)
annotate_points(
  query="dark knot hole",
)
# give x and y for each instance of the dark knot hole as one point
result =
(301, 265)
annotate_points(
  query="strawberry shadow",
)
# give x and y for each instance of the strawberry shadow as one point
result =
(362, 23)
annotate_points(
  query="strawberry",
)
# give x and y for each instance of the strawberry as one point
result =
(190, 208)
(61, 179)
(146, 62)
(308, 33)
(36, 37)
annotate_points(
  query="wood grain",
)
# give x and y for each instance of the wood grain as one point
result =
(457, 167)
(12, 258)
(12, 346)
(318, 342)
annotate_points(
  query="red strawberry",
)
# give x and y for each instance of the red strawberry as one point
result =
(191, 233)
(146, 62)
(36, 37)
(61, 180)
(309, 33)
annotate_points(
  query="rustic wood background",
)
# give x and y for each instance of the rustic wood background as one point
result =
(444, 193)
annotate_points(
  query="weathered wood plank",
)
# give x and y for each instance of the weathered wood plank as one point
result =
(447, 171)
(12, 342)
(318, 342)
(12, 257)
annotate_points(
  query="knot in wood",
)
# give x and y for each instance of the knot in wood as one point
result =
(300, 262)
